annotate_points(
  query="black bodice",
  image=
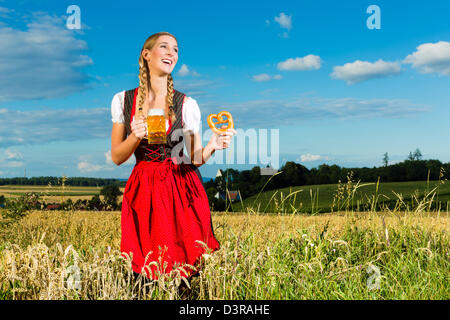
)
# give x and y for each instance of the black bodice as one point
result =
(174, 143)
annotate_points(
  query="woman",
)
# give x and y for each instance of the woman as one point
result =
(166, 220)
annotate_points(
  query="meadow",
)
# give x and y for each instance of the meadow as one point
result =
(358, 196)
(52, 193)
(398, 253)
(298, 199)
(75, 255)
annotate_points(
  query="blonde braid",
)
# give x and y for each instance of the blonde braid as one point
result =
(143, 84)
(169, 97)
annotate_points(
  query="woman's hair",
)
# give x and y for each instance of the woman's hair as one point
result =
(144, 75)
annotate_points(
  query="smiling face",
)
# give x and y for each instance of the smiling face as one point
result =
(163, 56)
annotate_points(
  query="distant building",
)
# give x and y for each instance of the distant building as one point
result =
(53, 206)
(233, 195)
(268, 171)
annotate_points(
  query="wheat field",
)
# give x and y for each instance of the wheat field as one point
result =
(344, 255)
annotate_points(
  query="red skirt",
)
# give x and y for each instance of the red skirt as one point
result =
(166, 219)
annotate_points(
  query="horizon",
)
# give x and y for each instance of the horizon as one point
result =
(213, 177)
(342, 83)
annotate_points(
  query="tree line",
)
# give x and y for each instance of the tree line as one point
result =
(251, 182)
(13, 209)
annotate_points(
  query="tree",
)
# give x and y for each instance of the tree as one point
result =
(410, 156)
(95, 203)
(417, 154)
(18, 208)
(386, 159)
(214, 203)
(220, 184)
(110, 193)
(323, 175)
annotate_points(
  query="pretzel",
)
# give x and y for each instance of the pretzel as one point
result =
(220, 120)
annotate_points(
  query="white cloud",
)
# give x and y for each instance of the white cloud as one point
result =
(109, 158)
(10, 158)
(261, 77)
(311, 157)
(284, 21)
(309, 62)
(431, 58)
(185, 71)
(13, 154)
(14, 164)
(359, 71)
(85, 167)
(265, 77)
(130, 162)
(86, 164)
(43, 61)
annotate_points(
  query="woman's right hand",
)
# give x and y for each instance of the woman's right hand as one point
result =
(139, 127)
(222, 141)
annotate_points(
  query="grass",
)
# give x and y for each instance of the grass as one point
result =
(319, 198)
(261, 257)
(306, 199)
(400, 252)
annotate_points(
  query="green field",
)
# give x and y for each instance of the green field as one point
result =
(51, 193)
(319, 198)
(309, 199)
(262, 256)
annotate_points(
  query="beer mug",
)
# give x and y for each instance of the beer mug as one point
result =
(156, 126)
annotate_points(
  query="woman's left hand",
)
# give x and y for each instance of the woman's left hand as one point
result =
(222, 141)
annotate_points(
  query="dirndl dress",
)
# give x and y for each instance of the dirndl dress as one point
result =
(166, 220)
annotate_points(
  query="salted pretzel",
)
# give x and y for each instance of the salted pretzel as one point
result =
(220, 120)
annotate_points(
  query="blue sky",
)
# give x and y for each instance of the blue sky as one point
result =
(337, 91)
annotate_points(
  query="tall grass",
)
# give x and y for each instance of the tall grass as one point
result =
(261, 257)
(348, 196)
(399, 252)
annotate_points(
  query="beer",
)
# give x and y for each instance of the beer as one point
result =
(156, 126)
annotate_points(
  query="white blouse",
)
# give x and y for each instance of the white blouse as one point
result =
(191, 113)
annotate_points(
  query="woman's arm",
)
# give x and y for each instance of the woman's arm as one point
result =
(199, 155)
(122, 147)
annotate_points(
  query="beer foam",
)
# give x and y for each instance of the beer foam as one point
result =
(155, 112)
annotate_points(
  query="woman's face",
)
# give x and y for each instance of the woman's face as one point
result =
(163, 57)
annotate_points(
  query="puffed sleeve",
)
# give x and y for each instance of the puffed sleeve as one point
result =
(191, 116)
(117, 106)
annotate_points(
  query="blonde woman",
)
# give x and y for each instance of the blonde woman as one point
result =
(165, 211)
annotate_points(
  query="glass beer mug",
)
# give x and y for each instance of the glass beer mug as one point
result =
(156, 126)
